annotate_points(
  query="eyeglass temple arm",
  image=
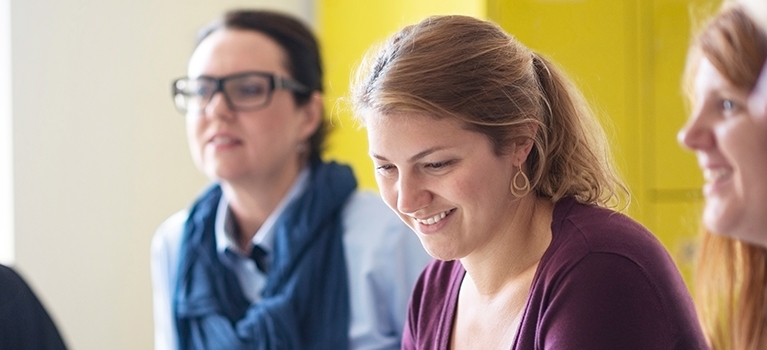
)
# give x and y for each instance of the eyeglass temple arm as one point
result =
(283, 83)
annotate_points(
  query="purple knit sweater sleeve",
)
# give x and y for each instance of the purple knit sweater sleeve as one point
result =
(605, 282)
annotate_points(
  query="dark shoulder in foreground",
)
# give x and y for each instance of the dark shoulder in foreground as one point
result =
(24, 322)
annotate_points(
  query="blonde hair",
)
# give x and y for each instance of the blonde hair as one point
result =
(731, 275)
(730, 291)
(470, 70)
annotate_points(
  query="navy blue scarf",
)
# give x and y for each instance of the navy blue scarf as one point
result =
(305, 303)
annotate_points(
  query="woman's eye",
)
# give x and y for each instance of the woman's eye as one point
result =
(731, 108)
(201, 90)
(383, 169)
(728, 105)
(251, 90)
(439, 165)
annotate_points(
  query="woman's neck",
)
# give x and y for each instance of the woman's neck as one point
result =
(252, 201)
(515, 253)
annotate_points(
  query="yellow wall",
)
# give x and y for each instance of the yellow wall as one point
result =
(627, 57)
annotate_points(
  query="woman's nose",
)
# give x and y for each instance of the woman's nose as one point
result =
(412, 195)
(696, 134)
(218, 107)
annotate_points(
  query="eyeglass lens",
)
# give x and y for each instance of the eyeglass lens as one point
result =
(241, 92)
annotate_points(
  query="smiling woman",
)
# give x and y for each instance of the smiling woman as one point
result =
(723, 64)
(488, 152)
(460, 166)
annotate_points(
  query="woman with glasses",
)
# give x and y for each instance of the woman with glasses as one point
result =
(492, 156)
(723, 65)
(281, 251)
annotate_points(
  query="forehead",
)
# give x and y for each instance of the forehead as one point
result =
(386, 122)
(230, 51)
(708, 78)
(409, 133)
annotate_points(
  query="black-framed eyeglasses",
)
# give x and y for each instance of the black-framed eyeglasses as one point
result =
(246, 91)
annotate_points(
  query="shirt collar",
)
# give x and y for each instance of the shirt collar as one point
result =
(264, 237)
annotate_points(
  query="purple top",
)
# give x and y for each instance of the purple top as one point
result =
(605, 282)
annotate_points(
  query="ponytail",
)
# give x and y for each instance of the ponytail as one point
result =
(573, 154)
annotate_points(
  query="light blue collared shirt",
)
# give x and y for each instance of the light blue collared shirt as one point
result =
(383, 258)
(252, 280)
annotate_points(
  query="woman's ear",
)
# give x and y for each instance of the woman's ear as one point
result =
(524, 143)
(312, 113)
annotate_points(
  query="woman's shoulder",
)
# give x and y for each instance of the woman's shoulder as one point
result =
(167, 237)
(602, 263)
(581, 232)
(597, 229)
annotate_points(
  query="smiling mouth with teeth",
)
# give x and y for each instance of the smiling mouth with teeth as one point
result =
(712, 175)
(222, 140)
(435, 219)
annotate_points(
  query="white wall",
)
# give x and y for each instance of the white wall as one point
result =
(6, 140)
(99, 153)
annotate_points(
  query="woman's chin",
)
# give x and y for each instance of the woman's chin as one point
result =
(439, 251)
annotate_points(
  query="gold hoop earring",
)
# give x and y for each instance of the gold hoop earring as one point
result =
(520, 191)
